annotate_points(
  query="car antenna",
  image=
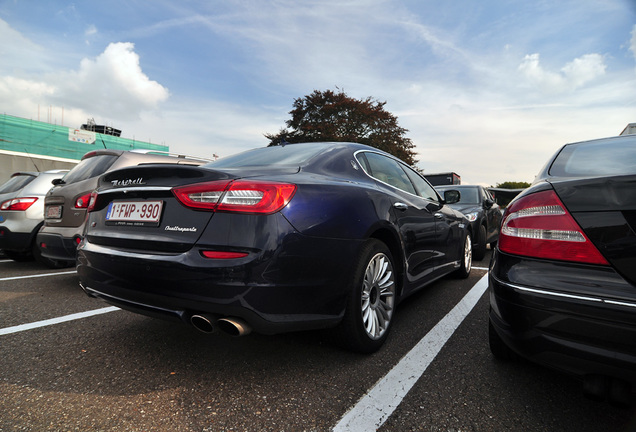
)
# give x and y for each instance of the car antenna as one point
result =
(32, 161)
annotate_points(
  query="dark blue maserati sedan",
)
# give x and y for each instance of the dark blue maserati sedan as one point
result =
(276, 239)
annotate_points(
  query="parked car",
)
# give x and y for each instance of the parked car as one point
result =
(276, 239)
(479, 207)
(21, 213)
(66, 203)
(563, 276)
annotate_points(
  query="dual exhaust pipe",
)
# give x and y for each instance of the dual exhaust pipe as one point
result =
(229, 325)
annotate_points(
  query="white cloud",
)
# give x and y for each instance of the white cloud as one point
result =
(112, 83)
(20, 54)
(90, 30)
(632, 46)
(573, 75)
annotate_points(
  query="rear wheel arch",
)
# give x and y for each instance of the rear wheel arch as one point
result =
(371, 299)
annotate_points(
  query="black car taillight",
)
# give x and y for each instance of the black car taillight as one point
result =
(241, 196)
(539, 225)
(18, 204)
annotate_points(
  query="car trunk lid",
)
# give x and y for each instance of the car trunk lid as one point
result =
(136, 208)
(605, 208)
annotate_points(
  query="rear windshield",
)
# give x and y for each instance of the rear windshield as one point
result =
(288, 155)
(612, 157)
(16, 183)
(88, 168)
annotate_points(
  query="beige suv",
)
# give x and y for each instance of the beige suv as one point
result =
(66, 203)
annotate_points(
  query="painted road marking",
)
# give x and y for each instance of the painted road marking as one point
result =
(53, 321)
(36, 275)
(378, 404)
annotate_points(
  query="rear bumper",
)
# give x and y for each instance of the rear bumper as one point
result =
(579, 319)
(15, 241)
(56, 246)
(299, 286)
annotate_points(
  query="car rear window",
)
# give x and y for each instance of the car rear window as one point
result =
(16, 183)
(88, 168)
(288, 155)
(598, 158)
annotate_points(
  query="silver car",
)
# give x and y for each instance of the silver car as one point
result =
(22, 214)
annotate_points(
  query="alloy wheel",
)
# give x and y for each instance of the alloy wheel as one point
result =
(378, 296)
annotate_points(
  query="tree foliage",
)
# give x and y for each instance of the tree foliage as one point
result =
(334, 116)
(513, 185)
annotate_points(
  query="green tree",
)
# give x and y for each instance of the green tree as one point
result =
(513, 185)
(334, 116)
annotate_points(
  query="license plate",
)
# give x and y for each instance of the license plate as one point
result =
(54, 212)
(134, 212)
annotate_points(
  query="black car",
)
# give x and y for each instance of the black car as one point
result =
(284, 238)
(563, 276)
(484, 215)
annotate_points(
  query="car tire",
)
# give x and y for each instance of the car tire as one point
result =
(18, 256)
(498, 347)
(466, 259)
(479, 251)
(372, 299)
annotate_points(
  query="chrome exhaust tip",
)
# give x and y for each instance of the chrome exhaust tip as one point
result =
(203, 323)
(234, 326)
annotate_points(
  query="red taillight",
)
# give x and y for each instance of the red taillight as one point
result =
(539, 225)
(83, 201)
(18, 204)
(91, 202)
(241, 196)
(223, 254)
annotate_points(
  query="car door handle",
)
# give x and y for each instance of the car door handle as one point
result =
(439, 216)
(400, 206)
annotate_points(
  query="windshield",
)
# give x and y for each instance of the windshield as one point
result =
(16, 183)
(88, 168)
(610, 157)
(288, 155)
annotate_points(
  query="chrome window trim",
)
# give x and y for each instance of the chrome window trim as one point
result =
(355, 155)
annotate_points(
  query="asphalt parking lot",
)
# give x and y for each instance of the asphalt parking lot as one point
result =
(72, 363)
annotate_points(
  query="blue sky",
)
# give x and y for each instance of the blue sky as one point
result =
(488, 89)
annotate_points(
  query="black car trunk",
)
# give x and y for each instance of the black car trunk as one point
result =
(173, 228)
(606, 210)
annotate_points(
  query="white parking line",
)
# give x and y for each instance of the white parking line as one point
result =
(52, 321)
(378, 404)
(36, 275)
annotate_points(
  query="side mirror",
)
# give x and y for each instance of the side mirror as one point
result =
(488, 203)
(452, 196)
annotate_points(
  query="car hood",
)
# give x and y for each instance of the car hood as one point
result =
(466, 208)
